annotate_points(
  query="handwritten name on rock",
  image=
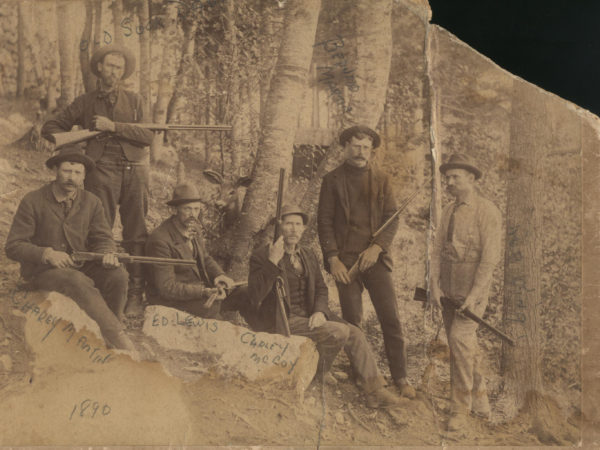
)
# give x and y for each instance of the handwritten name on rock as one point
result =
(273, 352)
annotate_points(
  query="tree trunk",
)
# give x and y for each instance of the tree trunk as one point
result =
(117, 13)
(281, 116)
(65, 50)
(89, 80)
(21, 36)
(373, 42)
(266, 54)
(97, 25)
(143, 14)
(166, 76)
(234, 112)
(187, 53)
(523, 259)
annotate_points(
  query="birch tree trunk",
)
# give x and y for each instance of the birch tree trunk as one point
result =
(65, 50)
(21, 49)
(281, 116)
(373, 59)
(89, 80)
(117, 13)
(166, 75)
(143, 14)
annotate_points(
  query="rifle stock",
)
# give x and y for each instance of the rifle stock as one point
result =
(421, 296)
(74, 137)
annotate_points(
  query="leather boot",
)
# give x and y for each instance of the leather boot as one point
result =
(382, 398)
(135, 297)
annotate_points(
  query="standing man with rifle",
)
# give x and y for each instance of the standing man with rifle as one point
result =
(121, 154)
(356, 200)
(467, 248)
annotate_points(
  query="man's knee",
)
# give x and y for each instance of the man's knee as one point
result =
(117, 277)
(337, 333)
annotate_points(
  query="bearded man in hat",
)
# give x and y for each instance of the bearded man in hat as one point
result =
(188, 288)
(467, 249)
(121, 155)
(58, 219)
(306, 307)
(356, 199)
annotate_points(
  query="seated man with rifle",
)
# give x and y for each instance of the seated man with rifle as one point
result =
(466, 251)
(120, 151)
(202, 287)
(61, 218)
(286, 287)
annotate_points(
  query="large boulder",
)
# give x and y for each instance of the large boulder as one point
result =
(228, 350)
(80, 392)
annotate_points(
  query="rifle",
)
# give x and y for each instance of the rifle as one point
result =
(127, 258)
(73, 137)
(421, 296)
(279, 285)
(354, 270)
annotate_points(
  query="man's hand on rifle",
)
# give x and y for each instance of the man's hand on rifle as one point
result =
(224, 282)
(58, 259)
(316, 320)
(102, 123)
(435, 295)
(469, 303)
(276, 251)
(339, 270)
(369, 257)
(110, 261)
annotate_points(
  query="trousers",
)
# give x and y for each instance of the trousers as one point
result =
(330, 338)
(378, 282)
(100, 292)
(468, 389)
(119, 182)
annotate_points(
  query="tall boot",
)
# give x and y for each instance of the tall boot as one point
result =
(137, 284)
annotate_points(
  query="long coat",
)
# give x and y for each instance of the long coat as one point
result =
(177, 283)
(333, 213)
(127, 109)
(40, 223)
(261, 288)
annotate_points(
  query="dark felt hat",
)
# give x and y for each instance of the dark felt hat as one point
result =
(99, 54)
(184, 193)
(461, 161)
(72, 153)
(349, 133)
(287, 210)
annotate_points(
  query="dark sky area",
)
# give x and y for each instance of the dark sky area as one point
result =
(554, 44)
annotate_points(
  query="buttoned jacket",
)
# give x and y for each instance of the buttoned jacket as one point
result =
(334, 213)
(40, 222)
(127, 109)
(262, 293)
(174, 282)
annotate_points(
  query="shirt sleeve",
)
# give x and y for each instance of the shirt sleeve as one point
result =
(490, 230)
(325, 220)
(385, 239)
(439, 236)
(19, 246)
(65, 119)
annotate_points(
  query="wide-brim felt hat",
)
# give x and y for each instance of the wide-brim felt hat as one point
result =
(461, 161)
(288, 210)
(71, 153)
(348, 133)
(184, 193)
(113, 48)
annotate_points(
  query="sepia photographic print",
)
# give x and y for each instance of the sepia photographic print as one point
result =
(292, 224)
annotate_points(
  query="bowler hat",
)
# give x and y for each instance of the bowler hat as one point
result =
(287, 210)
(461, 161)
(99, 54)
(72, 153)
(184, 193)
(349, 133)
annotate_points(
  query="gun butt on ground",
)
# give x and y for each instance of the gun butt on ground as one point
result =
(74, 137)
(127, 258)
(421, 296)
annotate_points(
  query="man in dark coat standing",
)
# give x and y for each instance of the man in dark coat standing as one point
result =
(58, 219)
(355, 200)
(306, 307)
(121, 154)
(189, 288)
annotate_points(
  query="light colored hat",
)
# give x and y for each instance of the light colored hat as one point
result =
(99, 54)
(461, 161)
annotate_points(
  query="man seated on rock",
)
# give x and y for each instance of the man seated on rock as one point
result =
(58, 219)
(307, 308)
(189, 288)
